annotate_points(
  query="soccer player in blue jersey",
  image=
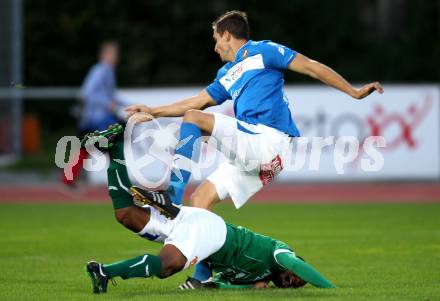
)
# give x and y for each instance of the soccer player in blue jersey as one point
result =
(260, 136)
(263, 128)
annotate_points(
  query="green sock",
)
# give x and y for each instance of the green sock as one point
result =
(303, 270)
(141, 266)
(117, 177)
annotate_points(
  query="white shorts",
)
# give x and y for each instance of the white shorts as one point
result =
(197, 233)
(254, 157)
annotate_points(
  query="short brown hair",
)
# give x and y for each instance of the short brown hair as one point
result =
(235, 22)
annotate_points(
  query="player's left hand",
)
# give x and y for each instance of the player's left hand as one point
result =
(367, 90)
(140, 117)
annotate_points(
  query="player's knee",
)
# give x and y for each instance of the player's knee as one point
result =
(193, 116)
(172, 266)
(122, 215)
(196, 200)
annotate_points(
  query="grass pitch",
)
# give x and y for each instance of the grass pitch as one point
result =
(371, 252)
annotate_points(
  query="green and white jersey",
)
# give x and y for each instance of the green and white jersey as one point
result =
(246, 256)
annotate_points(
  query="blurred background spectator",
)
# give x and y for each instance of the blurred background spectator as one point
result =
(98, 100)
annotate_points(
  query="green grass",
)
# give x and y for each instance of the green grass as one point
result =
(371, 252)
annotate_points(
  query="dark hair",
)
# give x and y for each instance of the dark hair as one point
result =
(296, 283)
(235, 22)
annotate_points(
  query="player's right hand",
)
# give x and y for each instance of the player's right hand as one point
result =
(367, 90)
(140, 117)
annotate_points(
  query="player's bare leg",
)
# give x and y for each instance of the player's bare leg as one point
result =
(205, 196)
(173, 261)
(132, 217)
(205, 121)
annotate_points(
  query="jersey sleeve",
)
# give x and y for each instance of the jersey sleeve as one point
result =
(303, 270)
(278, 56)
(216, 89)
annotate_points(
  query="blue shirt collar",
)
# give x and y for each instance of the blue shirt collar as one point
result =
(241, 50)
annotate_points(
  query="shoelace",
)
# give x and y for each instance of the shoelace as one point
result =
(113, 281)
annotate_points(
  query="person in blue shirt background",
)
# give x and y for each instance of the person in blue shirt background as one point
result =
(98, 91)
(98, 100)
(253, 78)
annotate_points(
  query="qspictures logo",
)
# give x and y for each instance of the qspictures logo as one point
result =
(382, 128)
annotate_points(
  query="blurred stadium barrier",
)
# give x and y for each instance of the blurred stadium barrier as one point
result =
(12, 133)
(10, 78)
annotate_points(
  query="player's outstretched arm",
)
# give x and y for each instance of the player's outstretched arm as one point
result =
(218, 282)
(303, 270)
(312, 68)
(143, 113)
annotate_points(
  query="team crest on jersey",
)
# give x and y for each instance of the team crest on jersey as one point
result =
(268, 171)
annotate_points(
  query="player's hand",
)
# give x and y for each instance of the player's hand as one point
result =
(261, 284)
(140, 117)
(367, 90)
(133, 109)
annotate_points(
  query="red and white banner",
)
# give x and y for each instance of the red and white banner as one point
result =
(406, 116)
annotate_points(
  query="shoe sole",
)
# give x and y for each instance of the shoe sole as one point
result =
(139, 197)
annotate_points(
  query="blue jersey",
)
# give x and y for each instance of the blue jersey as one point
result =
(254, 80)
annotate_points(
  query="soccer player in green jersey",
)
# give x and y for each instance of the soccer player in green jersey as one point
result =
(240, 257)
(245, 259)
